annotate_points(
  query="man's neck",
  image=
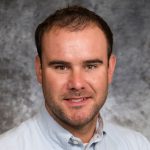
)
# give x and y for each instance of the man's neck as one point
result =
(85, 133)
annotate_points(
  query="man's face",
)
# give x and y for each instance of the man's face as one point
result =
(75, 74)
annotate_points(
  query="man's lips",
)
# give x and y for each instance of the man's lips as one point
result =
(77, 101)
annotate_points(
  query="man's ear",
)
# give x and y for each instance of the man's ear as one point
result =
(111, 69)
(38, 69)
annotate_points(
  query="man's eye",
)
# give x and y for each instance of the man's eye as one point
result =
(60, 67)
(91, 66)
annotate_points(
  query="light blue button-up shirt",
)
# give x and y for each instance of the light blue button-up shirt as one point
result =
(42, 132)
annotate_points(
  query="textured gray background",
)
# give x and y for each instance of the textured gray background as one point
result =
(20, 95)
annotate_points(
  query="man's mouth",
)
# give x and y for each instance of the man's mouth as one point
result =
(77, 101)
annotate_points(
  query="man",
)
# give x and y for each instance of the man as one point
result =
(75, 66)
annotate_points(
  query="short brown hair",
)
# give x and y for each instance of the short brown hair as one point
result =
(73, 18)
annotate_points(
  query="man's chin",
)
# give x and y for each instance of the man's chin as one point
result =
(78, 121)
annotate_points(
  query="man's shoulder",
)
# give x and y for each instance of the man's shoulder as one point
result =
(124, 136)
(13, 138)
(119, 130)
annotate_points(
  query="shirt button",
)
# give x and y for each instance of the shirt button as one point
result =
(75, 142)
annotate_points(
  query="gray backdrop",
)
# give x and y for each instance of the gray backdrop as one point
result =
(128, 103)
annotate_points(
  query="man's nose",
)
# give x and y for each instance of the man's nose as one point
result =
(76, 80)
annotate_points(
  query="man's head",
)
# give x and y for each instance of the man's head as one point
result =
(75, 70)
(73, 19)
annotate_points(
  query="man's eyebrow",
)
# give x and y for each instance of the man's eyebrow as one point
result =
(57, 62)
(61, 62)
(97, 61)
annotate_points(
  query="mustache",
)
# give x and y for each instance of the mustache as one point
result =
(77, 94)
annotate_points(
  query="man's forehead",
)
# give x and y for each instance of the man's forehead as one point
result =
(60, 42)
(90, 33)
(61, 32)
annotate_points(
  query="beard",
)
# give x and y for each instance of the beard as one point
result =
(79, 119)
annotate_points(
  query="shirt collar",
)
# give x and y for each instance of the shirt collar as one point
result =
(53, 131)
(99, 132)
